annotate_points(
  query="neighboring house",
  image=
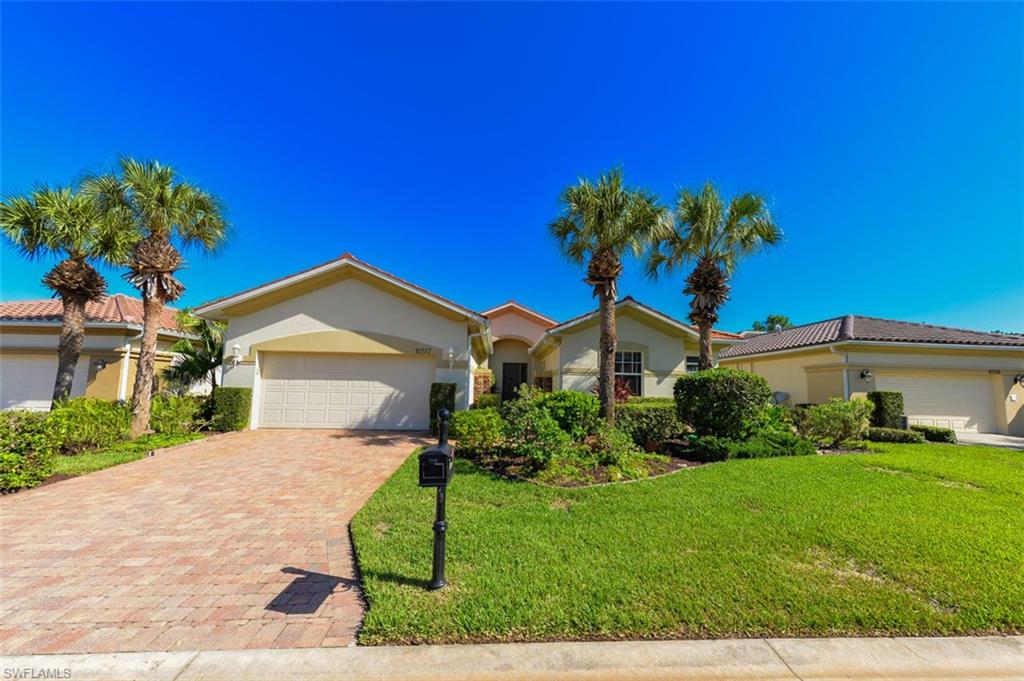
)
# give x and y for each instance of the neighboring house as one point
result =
(347, 345)
(30, 330)
(966, 380)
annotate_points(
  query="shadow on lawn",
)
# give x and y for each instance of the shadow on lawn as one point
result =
(307, 592)
(402, 580)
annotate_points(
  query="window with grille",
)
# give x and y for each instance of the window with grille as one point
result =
(629, 367)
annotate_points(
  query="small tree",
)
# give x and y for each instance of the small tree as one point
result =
(773, 322)
(197, 360)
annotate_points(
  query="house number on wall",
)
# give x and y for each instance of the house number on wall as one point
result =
(424, 351)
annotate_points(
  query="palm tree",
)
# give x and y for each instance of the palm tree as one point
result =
(714, 237)
(600, 223)
(165, 209)
(69, 223)
(197, 361)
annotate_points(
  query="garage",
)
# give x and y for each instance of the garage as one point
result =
(960, 401)
(345, 391)
(26, 381)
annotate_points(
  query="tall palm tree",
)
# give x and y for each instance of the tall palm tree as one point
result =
(713, 237)
(166, 210)
(61, 221)
(197, 361)
(600, 223)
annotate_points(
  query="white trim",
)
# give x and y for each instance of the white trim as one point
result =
(127, 326)
(122, 381)
(333, 265)
(830, 345)
(517, 306)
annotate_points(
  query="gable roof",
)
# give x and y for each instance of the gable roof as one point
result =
(512, 305)
(345, 260)
(115, 309)
(860, 328)
(631, 302)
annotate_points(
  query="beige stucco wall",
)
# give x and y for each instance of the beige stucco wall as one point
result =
(513, 325)
(786, 373)
(824, 384)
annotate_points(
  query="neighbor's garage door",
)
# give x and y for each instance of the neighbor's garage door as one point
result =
(962, 402)
(350, 391)
(26, 381)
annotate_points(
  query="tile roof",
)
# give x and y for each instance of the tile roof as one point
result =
(715, 333)
(115, 309)
(860, 328)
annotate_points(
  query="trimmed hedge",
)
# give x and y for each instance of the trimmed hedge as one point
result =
(27, 449)
(86, 423)
(231, 407)
(442, 396)
(576, 413)
(888, 408)
(874, 434)
(477, 431)
(176, 414)
(487, 401)
(721, 402)
(650, 420)
(936, 433)
(709, 449)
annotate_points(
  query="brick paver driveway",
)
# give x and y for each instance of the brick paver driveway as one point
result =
(236, 541)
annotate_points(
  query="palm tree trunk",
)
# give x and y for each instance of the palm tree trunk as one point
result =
(706, 361)
(69, 348)
(142, 395)
(606, 358)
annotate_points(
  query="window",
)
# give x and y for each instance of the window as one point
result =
(692, 363)
(629, 367)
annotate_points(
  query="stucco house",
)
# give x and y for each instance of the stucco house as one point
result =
(955, 378)
(348, 345)
(29, 333)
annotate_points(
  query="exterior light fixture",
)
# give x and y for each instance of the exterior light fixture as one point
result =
(100, 364)
(1019, 378)
(866, 374)
(451, 358)
(236, 354)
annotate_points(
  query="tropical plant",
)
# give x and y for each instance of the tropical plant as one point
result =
(600, 223)
(713, 237)
(197, 360)
(165, 209)
(772, 322)
(63, 222)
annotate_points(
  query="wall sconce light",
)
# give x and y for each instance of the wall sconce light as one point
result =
(866, 374)
(1019, 378)
(451, 358)
(236, 354)
(100, 364)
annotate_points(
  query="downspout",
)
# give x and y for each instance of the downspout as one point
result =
(469, 363)
(122, 382)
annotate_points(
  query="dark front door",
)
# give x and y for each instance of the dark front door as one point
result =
(513, 375)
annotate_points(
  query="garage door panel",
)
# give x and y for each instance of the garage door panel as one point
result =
(344, 391)
(957, 401)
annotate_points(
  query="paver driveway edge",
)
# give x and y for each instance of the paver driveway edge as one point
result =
(991, 657)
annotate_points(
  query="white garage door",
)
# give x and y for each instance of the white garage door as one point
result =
(26, 381)
(350, 391)
(961, 402)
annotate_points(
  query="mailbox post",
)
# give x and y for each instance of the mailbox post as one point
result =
(436, 465)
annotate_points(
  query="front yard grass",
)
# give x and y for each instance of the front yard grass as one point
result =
(80, 464)
(909, 540)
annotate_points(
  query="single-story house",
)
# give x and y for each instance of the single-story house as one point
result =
(955, 378)
(29, 334)
(348, 345)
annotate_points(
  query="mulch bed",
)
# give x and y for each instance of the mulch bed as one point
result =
(518, 468)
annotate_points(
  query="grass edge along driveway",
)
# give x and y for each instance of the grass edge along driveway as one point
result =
(915, 540)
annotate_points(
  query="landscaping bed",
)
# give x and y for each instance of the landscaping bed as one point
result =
(911, 540)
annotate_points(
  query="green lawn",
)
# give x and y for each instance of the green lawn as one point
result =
(80, 464)
(916, 539)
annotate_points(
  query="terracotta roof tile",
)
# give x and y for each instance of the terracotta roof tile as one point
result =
(861, 328)
(115, 309)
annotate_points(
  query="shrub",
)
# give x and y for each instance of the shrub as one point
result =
(835, 421)
(487, 401)
(874, 434)
(442, 396)
(609, 446)
(477, 431)
(648, 421)
(176, 415)
(27, 449)
(936, 433)
(887, 411)
(88, 423)
(231, 408)
(576, 413)
(710, 448)
(621, 390)
(721, 402)
(531, 431)
(651, 400)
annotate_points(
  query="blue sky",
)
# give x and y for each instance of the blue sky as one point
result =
(433, 140)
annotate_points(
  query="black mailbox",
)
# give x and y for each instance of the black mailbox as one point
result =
(436, 465)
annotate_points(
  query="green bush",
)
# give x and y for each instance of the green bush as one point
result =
(487, 401)
(578, 414)
(442, 396)
(874, 434)
(176, 415)
(231, 407)
(721, 402)
(609, 446)
(709, 449)
(27, 449)
(936, 433)
(477, 431)
(651, 400)
(835, 421)
(86, 423)
(531, 431)
(648, 421)
(887, 410)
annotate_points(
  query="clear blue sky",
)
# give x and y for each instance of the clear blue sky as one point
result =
(433, 140)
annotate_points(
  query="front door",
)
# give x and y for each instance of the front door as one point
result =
(513, 375)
